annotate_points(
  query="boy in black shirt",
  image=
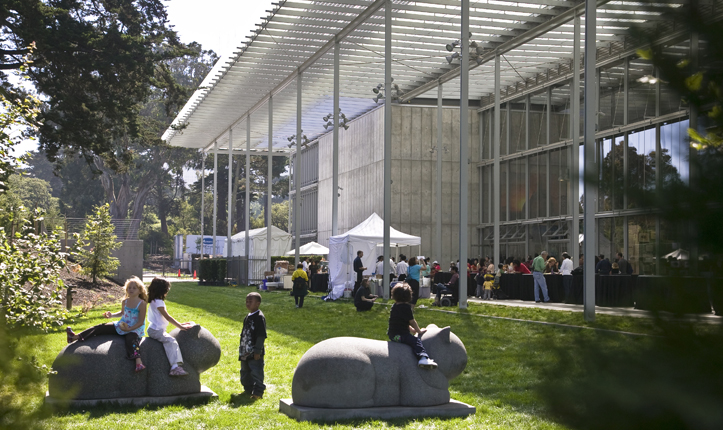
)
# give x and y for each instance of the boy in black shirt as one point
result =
(401, 318)
(251, 348)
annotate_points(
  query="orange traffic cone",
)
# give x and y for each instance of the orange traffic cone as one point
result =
(194, 274)
(179, 273)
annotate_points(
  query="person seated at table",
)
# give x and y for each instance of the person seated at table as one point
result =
(551, 267)
(449, 287)
(615, 270)
(520, 268)
(364, 299)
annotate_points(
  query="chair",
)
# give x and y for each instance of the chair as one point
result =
(452, 299)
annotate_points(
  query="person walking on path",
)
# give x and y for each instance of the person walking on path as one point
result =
(538, 266)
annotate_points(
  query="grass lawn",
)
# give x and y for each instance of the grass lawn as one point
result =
(507, 361)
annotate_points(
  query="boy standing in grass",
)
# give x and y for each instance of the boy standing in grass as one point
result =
(251, 348)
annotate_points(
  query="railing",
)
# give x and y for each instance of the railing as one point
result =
(246, 271)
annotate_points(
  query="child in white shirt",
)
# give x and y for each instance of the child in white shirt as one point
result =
(158, 320)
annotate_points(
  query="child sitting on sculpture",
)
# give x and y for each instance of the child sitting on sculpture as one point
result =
(131, 325)
(158, 319)
(401, 318)
(251, 348)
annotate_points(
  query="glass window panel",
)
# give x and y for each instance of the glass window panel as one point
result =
(503, 191)
(564, 181)
(560, 113)
(535, 232)
(670, 243)
(605, 236)
(517, 189)
(670, 100)
(517, 127)
(485, 128)
(503, 129)
(618, 237)
(612, 89)
(618, 171)
(555, 183)
(674, 151)
(538, 119)
(538, 186)
(641, 165)
(641, 244)
(605, 195)
(641, 95)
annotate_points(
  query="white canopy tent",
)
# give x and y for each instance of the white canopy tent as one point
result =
(311, 248)
(364, 237)
(280, 244)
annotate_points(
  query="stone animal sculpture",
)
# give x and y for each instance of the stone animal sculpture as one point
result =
(98, 369)
(350, 372)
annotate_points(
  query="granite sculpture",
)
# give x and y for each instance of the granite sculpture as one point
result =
(350, 372)
(98, 369)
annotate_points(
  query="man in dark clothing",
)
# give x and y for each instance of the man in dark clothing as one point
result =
(603, 266)
(359, 269)
(364, 299)
(623, 265)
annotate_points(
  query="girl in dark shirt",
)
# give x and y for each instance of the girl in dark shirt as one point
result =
(401, 318)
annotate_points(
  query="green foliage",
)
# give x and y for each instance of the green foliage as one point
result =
(212, 270)
(95, 63)
(280, 215)
(25, 194)
(95, 245)
(30, 263)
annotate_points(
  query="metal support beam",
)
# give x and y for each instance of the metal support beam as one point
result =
(496, 167)
(297, 169)
(387, 141)
(215, 196)
(269, 178)
(438, 209)
(229, 206)
(464, 157)
(575, 134)
(335, 149)
(247, 201)
(590, 184)
(203, 195)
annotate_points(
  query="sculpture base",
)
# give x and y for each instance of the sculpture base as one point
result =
(303, 413)
(196, 398)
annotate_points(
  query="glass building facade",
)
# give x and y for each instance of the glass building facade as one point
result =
(641, 144)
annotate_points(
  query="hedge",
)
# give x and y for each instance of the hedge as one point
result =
(212, 270)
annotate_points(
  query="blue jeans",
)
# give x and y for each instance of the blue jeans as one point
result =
(252, 376)
(413, 341)
(442, 289)
(541, 284)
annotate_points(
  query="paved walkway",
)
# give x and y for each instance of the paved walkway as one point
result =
(626, 312)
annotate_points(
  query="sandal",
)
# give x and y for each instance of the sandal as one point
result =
(178, 371)
(140, 367)
(70, 334)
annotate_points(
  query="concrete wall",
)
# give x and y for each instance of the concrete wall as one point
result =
(130, 256)
(414, 176)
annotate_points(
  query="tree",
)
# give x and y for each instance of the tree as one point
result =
(95, 245)
(280, 215)
(23, 196)
(94, 62)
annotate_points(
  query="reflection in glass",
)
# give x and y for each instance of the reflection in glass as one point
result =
(641, 165)
(641, 244)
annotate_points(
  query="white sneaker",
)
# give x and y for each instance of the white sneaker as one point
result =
(427, 363)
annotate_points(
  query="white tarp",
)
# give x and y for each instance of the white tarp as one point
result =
(364, 237)
(280, 244)
(311, 248)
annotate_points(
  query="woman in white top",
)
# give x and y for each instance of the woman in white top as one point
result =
(158, 320)
(566, 270)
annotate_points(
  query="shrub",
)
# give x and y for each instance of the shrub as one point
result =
(95, 245)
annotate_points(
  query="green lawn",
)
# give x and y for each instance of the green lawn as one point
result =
(507, 362)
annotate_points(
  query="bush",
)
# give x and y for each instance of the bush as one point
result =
(96, 244)
(212, 270)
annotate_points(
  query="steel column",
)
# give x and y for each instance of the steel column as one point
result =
(575, 134)
(387, 141)
(438, 209)
(297, 170)
(203, 194)
(464, 157)
(215, 191)
(335, 148)
(229, 207)
(247, 202)
(269, 174)
(590, 184)
(496, 167)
